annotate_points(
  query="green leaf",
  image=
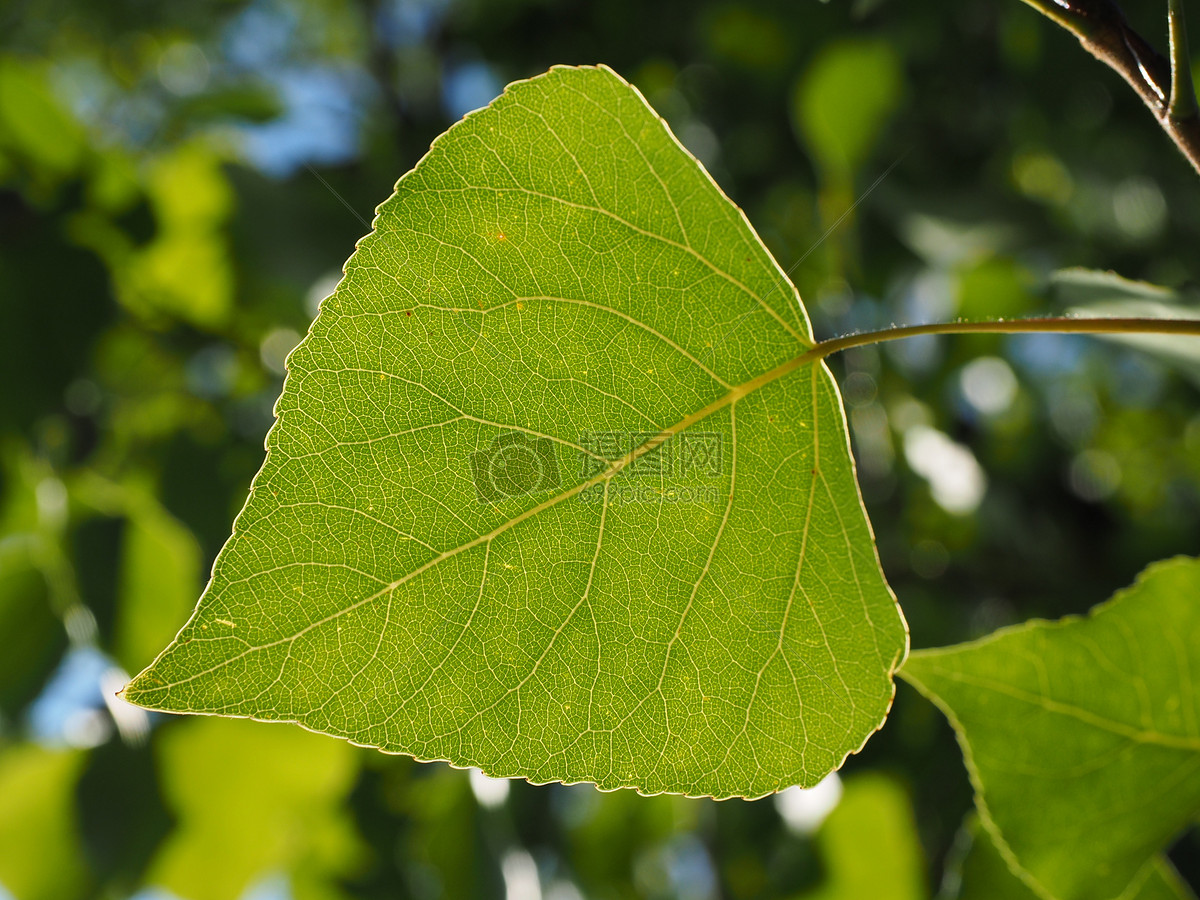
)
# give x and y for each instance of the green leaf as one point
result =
(845, 100)
(40, 855)
(33, 124)
(873, 821)
(160, 566)
(252, 802)
(982, 874)
(554, 491)
(1081, 736)
(1080, 287)
(995, 287)
(1090, 293)
(184, 272)
(25, 610)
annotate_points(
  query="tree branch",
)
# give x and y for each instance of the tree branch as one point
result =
(1165, 87)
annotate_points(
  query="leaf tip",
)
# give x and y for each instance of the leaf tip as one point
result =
(138, 689)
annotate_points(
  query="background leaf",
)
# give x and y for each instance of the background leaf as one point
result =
(159, 569)
(873, 821)
(459, 546)
(982, 874)
(236, 826)
(843, 102)
(25, 610)
(40, 857)
(1090, 293)
(1107, 768)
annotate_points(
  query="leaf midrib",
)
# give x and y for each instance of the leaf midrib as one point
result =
(1138, 735)
(733, 396)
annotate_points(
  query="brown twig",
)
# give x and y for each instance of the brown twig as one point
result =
(1165, 86)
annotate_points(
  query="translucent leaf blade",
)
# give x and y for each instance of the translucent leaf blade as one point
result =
(983, 874)
(1081, 735)
(552, 491)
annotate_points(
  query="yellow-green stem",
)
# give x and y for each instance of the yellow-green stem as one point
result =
(1045, 325)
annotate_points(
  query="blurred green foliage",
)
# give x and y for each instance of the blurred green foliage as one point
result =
(844, 101)
(286, 794)
(163, 245)
(979, 872)
(39, 846)
(872, 822)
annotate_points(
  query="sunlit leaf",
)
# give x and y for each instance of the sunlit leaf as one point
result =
(40, 856)
(250, 803)
(1081, 736)
(1090, 293)
(554, 491)
(845, 100)
(184, 272)
(34, 126)
(869, 845)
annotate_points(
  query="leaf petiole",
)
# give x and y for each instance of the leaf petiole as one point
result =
(1041, 325)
